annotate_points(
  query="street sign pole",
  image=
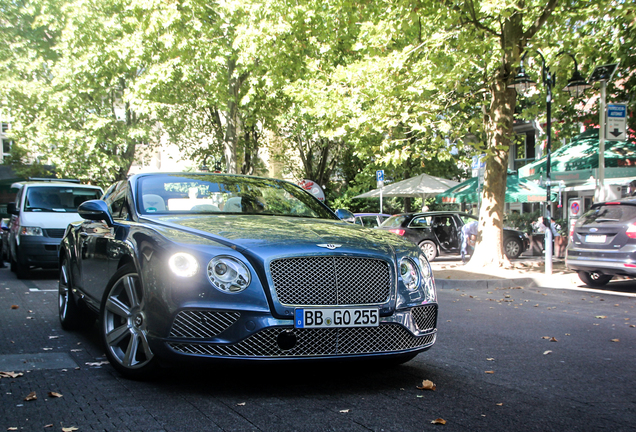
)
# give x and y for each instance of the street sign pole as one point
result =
(379, 176)
(600, 188)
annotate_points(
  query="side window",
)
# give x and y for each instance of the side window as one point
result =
(116, 200)
(421, 222)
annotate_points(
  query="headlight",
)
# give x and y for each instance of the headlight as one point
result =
(228, 274)
(425, 267)
(31, 231)
(427, 275)
(183, 264)
(409, 274)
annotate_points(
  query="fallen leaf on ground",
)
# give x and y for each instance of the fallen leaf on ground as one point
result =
(500, 404)
(10, 374)
(48, 425)
(427, 385)
(31, 396)
(490, 372)
(553, 339)
(69, 429)
(53, 337)
(601, 316)
(632, 325)
(240, 404)
(490, 359)
(547, 352)
(54, 394)
(344, 411)
(12, 428)
(616, 340)
(15, 307)
(440, 421)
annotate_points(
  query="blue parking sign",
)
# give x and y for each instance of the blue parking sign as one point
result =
(379, 175)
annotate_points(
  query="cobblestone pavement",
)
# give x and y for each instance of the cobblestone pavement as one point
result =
(583, 382)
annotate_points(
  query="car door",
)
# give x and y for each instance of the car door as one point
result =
(95, 250)
(445, 230)
(420, 229)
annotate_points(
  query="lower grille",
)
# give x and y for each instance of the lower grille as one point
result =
(386, 338)
(55, 232)
(425, 317)
(202, 324)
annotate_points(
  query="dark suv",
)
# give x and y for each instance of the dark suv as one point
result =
(440, 232)
(603, 242)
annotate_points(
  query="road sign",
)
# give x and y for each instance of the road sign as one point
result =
(379, 176)
(616, 124)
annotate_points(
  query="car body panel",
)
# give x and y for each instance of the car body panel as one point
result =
(599, 242)
(259, 315)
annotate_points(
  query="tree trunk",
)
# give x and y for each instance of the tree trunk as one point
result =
(498, 123)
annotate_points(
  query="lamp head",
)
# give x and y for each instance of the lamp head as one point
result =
(576, 85)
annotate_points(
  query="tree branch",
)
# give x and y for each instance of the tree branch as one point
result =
(536, 26)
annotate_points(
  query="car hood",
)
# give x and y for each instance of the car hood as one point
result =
(286, 234)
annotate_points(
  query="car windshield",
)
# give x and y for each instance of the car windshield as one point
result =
(58, 198)
(225, 194)
(609, 213)
(393, 222)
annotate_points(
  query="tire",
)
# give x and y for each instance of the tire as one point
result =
(123, 325)
(429, 249)
(594, 279)
(21, 270)
(72, 315)
(512, 248)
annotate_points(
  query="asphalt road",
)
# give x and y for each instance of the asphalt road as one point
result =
(505, 360)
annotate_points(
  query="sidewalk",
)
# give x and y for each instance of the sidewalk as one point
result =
(527, 272)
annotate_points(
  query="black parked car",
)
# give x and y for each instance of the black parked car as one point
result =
(438, 233)
(603, 242)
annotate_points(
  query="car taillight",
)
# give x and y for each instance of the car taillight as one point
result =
(397, 231)
(631, 231)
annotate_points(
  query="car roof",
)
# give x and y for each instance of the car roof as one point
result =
(437, 213)
(53, 183)
(371, 214)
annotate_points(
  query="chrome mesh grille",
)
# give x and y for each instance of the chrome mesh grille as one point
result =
(425, 317)
(385, 338)
(331, 280)
(202, 324)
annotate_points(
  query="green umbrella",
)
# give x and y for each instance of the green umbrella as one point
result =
(517, 190)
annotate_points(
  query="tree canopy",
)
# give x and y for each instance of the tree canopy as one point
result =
(328, 90)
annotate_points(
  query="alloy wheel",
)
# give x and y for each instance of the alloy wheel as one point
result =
(124, 324)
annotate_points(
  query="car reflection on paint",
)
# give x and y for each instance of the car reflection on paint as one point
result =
(213, 266)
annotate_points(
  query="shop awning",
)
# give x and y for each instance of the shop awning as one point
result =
(582, 155)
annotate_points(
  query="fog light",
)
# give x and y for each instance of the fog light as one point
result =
(183, 264)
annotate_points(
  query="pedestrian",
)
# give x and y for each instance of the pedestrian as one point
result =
(540, 227)
(469, 236)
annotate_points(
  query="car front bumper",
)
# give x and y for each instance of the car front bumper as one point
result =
(39, 251)
(242, 336)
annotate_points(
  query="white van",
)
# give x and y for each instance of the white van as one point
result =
(39, 216)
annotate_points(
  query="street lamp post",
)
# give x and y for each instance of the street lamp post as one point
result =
(602, 74)
(576, 86)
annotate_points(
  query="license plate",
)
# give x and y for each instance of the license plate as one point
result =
(594, 238)
(336, 317)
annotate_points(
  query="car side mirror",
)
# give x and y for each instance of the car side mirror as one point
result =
(95, 210)
(12, 209)
(345, 215)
